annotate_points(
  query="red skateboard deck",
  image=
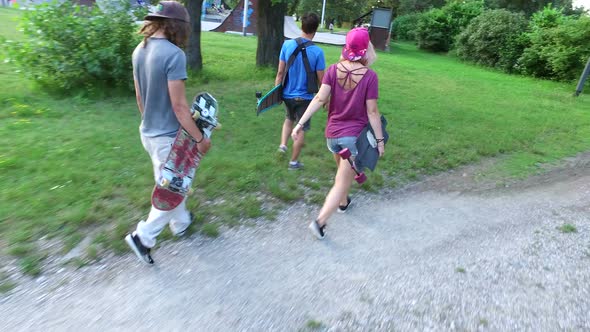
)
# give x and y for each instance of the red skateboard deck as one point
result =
(177, 173)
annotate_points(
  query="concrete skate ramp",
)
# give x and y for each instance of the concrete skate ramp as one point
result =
(233, 22)
(292, 31)
(209, 25)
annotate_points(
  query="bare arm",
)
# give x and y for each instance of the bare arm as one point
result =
(320, 99)
(183, 114)
(280, 72)
(320, 74)
(138, 96)
(375, 121)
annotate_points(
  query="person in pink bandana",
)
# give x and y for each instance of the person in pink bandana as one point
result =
(351, 88)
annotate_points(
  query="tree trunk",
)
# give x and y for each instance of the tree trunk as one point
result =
(270, 30)
(194, 59)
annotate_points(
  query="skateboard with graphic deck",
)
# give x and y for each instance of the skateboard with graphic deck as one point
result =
(360, 177)
(271, 99)
(177, 173)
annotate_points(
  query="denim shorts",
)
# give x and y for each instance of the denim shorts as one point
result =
(341, 143)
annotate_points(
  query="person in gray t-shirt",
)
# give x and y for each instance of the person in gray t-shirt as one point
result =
(159, 74)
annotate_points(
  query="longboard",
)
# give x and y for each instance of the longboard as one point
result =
(177, 173)
(271, 99)
(360, 177)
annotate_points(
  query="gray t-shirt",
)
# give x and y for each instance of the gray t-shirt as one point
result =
(153, 66)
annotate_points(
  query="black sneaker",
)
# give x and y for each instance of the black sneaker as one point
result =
(343, 208)
(317, 230)
(183, 232)
(142, 252)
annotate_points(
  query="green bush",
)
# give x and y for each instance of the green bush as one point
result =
(547, 18)
(437, 28)
(461, 13)
(404, 27)
(433, 32)
(494, 39)
(558, 48)
(70, 47)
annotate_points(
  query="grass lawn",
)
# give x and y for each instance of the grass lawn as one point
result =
(70, 167)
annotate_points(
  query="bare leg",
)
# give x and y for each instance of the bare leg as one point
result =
(287, 128)
(297, 146)
(337, 194)
(338, 159)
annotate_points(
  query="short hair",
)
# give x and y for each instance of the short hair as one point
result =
(310, 23)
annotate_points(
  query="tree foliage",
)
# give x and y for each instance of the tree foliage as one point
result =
(528, 7)
(69, 47)
(338, 10)
(559, 45)
(413, 6)
(405, 26)
(437, 28)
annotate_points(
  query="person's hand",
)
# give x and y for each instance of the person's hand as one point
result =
(381, 148)
(295, 132)
(204, 145)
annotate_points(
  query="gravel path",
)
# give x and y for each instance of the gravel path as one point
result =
(428, 257)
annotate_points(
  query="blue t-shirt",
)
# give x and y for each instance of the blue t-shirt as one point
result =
(296, 86)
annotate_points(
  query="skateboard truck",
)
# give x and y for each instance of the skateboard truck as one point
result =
(175, 185)
(177, 173)
(360, 176)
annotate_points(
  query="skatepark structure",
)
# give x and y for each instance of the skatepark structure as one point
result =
(234, 21)
(233, 24)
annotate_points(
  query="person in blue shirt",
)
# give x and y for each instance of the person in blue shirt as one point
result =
(295, 89)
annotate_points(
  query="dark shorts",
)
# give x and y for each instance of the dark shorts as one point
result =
(295, 109)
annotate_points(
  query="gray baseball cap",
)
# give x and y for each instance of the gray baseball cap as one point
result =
(169, 9)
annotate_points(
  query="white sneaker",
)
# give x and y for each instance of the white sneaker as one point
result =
(317, 230)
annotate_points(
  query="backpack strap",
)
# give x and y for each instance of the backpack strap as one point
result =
(312, 80)
(311, 77)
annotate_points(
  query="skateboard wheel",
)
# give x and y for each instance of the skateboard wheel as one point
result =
(361, 178)
(196, 115)
(165, 182)
(345, 153)
(190, 191)
(258, 94)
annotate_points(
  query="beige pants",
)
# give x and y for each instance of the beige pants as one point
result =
(178, 218)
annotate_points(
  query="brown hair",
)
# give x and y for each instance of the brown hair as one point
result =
(310, 23)
(176, 31)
